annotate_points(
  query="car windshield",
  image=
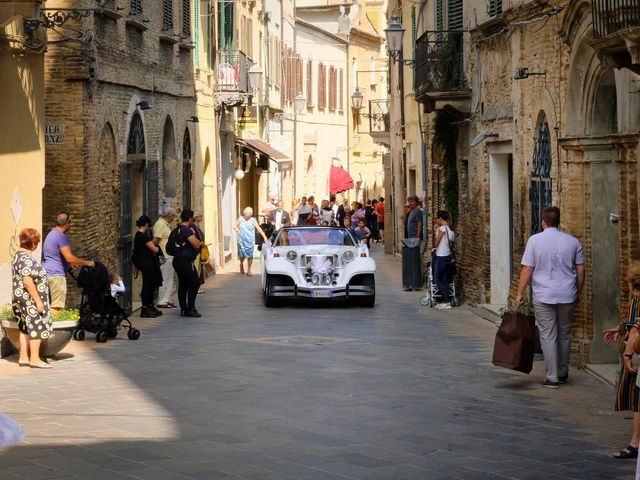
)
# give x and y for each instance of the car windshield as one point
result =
(293, 237)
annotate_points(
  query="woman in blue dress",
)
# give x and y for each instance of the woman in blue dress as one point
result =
(246, 227)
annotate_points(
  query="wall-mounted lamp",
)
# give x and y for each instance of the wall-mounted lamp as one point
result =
(356, 139)
(395, 34)
(300, 102)
(194, 119)
(239, 174)
(523, 72)
(356, 100)
(143, 105)
(255, 77)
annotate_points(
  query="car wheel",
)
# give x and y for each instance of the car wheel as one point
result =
(370, 300)
(269, 300)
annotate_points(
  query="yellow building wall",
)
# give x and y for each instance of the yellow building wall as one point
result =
(21, 152)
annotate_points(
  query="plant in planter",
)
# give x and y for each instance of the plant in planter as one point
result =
(64, 323)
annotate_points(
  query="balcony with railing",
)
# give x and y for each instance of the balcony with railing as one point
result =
(439, 71)
(232, 71)
(616, 31)
(379, 120)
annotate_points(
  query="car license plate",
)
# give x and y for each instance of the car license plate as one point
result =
(321, 293)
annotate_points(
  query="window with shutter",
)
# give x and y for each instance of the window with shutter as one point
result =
(341, 90)
(454, 15)
(136, 7)
(196, 33)
(495, 7)
(332, 89)
(186, 18)
(299, 74)
(439, 15)
(167, 15)
(413, 25)
(309, 83)
(322, 86)
(225, 29)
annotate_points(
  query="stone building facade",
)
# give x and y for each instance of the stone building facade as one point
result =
(544, 105)
(120, 82)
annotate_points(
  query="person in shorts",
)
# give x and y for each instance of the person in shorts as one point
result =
(57, 260)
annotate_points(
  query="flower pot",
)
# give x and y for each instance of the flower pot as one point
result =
(62, 334)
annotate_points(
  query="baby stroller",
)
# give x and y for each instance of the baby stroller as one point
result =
(429, 299)
(100, 313)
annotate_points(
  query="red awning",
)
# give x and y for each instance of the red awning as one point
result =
(339, 180)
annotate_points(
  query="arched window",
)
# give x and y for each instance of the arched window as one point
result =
(540, 193)
(167, 15)
(186, 170)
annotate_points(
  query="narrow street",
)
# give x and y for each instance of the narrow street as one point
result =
(323, 392)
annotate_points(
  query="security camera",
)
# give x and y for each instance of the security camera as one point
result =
(613, 218)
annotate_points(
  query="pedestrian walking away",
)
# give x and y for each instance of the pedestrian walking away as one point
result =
(553, 262)
(58, 259)
(186, 248)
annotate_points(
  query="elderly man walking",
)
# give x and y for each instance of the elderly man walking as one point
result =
(161, 232)
(554, 264)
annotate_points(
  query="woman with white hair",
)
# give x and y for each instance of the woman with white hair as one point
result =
(246, 227)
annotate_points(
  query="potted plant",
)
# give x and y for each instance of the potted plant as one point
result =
(64, 323)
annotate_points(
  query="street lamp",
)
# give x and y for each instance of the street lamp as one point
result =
(356, 100)
(255, 77)
(395, 34)
(300, 102)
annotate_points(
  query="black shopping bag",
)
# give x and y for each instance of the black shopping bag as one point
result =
(515, 342)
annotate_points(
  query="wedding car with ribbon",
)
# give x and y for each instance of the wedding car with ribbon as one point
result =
(317, 263)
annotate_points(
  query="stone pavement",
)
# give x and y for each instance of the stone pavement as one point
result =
(323, 392)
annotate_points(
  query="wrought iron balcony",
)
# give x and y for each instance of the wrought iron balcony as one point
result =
(232, 71)
(616, 31)
(439, 69)
(379, 120)
(612, 16)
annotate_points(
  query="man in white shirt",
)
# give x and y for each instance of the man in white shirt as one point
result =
(161, 232)
(270, 206)
(281, 217)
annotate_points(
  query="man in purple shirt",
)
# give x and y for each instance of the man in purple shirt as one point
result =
(554, 263)
(57, 260)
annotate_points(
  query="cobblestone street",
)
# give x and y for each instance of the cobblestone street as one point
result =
(395, 392)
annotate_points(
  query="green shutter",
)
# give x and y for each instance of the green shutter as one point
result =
(413, 26)
(225, 40)
(439, 16)
(454, 15)
(209, 47)
(495, 7)
(196, 32)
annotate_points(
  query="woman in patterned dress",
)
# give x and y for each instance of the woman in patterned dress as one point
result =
(246, 227)
(30, 300)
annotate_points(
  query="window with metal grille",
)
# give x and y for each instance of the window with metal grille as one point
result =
(309, 83)
(136, 7)
(167, 15)
(186, 18)
(494, 8)
(322, 87)
(540, 192)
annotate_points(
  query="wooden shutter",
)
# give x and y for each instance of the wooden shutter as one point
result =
(341, 90)
(332, 88)
(439, 15)
(186, 18)
(309, 83)
(322, 87)
(167, 15)
(196, 33)
(225, 33)
(299, 77)
(495, 7)
(454, 15)
(136, 7)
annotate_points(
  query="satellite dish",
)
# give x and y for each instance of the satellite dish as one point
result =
(281, 143)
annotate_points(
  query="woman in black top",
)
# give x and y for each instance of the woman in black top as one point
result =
(145, 259)
(188, 280)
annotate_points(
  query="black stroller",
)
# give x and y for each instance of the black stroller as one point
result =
(100, 313)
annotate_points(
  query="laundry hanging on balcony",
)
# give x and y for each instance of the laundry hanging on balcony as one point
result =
(339, 180)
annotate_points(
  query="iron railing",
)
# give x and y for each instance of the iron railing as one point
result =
(439, 62)
(379, 119)
(232, 69)
(611, 16)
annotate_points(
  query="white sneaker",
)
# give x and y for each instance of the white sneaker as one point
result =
(444, 305)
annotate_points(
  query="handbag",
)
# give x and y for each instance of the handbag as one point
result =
(514, 345)
(204, 254)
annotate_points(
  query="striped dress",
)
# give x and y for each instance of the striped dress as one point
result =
(628, 394)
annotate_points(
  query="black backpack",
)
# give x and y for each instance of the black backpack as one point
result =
(173, 244)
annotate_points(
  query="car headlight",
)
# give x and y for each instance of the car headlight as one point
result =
(291, 256)
(348, 256)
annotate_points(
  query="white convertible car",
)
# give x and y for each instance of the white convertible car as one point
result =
(317, 262)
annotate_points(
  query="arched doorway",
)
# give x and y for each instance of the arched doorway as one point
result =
(186, 170)
(540, 193)
(169, 164)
